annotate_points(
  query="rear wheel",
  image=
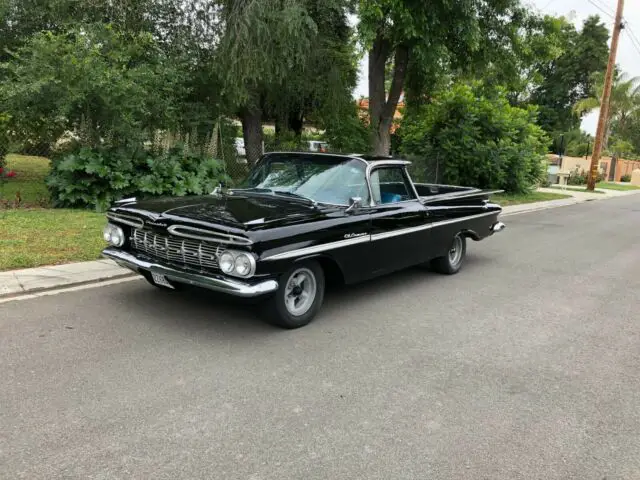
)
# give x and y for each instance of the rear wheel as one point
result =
(299, 296)
(451, 263)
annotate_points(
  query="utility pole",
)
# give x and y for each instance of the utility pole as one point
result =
(604, 103)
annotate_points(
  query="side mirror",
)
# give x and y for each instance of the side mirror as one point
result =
(354, 204)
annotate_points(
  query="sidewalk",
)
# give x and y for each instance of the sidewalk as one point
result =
(580, 194)
(32, 280)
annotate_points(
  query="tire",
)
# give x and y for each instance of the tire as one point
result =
(451, 263)
(285, 307)
(176, 286)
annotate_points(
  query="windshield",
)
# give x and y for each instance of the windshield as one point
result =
(327, 179)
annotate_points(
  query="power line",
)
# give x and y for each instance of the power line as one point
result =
(627, 28)
(634, 40)
(548, 3)
(592, 2)
(606, 7)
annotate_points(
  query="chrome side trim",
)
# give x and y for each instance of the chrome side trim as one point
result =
(207, 236)
(405, 231)
(461, 219)
(367, 238)
(218, 283)
(130, 220)
(401, 231)
(318, 248)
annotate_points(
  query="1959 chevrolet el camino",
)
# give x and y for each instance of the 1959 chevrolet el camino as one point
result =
(299, 220)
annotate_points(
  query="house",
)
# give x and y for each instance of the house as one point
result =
(612, 168)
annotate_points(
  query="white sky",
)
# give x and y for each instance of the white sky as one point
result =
(628, 58)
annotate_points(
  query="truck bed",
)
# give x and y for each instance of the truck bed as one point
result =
(434, 194)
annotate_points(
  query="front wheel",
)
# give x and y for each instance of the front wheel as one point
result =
(453, 260)
(299, 296)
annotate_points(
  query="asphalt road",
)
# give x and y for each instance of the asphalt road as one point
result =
(526, 365)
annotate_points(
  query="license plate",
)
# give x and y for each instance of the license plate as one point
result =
(161, 280)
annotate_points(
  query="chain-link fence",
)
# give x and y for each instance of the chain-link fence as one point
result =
(28, 164)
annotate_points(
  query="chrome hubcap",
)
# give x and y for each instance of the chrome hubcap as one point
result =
(300, 291)
(455, 253)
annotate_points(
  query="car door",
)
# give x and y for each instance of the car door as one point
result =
(399, 221)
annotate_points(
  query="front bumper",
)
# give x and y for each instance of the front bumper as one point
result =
(216, 283)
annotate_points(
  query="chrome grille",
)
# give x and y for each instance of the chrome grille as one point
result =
(176, 250)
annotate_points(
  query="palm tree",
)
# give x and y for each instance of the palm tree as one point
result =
(624, 101)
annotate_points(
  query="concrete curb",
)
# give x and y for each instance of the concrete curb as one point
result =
(564, 202)
(18, 283)
(15, 283)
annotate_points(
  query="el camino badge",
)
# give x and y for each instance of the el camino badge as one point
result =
(156, 224)
(354, 235)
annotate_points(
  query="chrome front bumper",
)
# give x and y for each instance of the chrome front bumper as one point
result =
(216, 283)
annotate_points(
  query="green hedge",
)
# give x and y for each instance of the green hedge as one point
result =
(94, 178)
(469, 135)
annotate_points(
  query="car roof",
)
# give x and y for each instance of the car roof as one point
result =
(370, 159)
(382, 159)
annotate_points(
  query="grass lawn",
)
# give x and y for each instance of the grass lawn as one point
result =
(584, 189)
(31, 238)
(29, 180)
(505, 199)
(616, 186)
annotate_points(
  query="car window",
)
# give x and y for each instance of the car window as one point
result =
(330, 180)
(390, 185)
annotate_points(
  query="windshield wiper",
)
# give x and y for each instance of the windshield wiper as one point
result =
(277, 192)
(295, 195)
(253, 189)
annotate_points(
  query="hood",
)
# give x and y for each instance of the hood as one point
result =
(242, 211)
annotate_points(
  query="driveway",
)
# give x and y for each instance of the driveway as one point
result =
(525, 365)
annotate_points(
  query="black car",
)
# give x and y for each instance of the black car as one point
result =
(299, 220)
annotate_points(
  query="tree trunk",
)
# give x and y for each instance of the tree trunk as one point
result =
(295, 121)
(382, 107)
(252, 133)
(278, 127)
(382, 139)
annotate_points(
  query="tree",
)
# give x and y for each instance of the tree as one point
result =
(322, 86)
(471, 135)
(623, 103)
(106, 85)
(421, 39)
(569, 78)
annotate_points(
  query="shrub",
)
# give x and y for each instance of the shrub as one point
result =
(474, 137)
(112, 86)
(582, 177)
(625, 178)
(348, 133)
(97, 177)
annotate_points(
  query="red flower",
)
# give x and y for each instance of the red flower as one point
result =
(10, 174)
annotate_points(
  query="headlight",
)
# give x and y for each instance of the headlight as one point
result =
(227, 262)
(238, 264)
(113, 235)
(243, 265)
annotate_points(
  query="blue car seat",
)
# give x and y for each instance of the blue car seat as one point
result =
(390, 197)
